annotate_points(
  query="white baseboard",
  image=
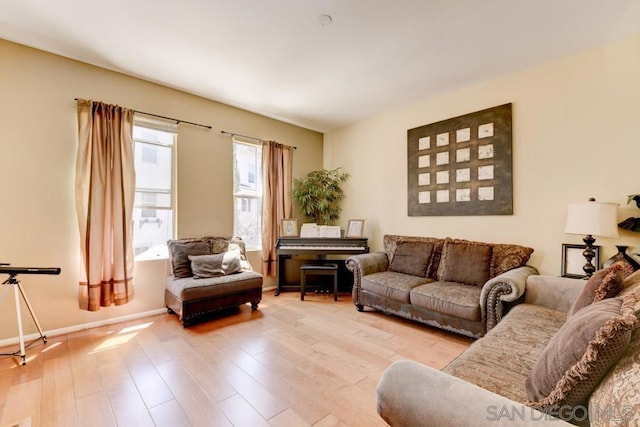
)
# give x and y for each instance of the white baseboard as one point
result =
(76, 328)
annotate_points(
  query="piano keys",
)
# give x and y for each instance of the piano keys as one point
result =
(295, 251)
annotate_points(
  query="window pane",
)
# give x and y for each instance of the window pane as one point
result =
(153, 214)
(247, 219)
(247, 169)
(156, 174)
(151, 230)
(152, 199)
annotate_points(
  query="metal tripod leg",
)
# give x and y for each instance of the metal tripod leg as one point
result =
(17, 291)
(33, 314)
(23, 352)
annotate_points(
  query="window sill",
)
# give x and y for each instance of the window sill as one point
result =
(157, 252)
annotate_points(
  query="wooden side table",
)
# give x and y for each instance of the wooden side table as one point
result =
(319, 270)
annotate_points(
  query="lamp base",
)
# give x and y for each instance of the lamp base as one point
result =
(589, 254)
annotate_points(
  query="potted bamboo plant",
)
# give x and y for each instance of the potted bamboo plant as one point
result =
(319, 194)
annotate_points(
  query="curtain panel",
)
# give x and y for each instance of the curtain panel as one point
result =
(105, 190)
(277, 160)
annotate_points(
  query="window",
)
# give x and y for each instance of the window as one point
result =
(247, 193)
(153, 212)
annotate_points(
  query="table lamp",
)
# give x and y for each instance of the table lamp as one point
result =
(592, 219)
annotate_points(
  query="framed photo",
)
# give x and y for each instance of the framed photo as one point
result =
(289, 228)
(355, 228)
(573, 260)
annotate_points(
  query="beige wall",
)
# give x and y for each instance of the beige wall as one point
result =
(576, 134)
(38, 149)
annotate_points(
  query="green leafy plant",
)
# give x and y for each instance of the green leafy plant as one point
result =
(319, 194)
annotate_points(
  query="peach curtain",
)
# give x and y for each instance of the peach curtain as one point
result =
(105, 190)
(277, 160)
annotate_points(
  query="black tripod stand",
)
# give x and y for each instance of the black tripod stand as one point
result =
(19, 291)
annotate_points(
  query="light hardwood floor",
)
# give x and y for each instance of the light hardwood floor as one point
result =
(291, 363)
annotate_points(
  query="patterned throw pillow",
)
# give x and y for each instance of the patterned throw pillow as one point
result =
(576, 359)
(605, 283)
(507, 257)
(615, 400)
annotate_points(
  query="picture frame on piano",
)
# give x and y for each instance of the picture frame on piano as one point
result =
(289, 228)
(355, 228)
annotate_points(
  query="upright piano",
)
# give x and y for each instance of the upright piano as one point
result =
(294, 251)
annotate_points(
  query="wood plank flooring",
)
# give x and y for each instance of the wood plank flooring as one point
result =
(291, 363)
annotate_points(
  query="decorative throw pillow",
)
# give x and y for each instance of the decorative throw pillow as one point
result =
(605, 283)
(631, 283)
(615, 399)
(465, 262)
(231, 262)
(412, 258)
(625, 267)
(238, 245)
(206, 266)
(576, 359)
(180, 251)
(390, 242)
(506, 257)
(215, 265)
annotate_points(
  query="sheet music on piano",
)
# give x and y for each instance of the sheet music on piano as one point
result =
(311, 229)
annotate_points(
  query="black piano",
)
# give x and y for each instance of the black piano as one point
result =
(292, 252)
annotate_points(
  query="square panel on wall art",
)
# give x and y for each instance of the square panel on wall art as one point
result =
(462, 166)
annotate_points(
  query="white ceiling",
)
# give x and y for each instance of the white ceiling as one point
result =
(273, 57)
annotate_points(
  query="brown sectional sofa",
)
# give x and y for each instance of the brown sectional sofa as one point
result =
(497, 380)
(457, 285)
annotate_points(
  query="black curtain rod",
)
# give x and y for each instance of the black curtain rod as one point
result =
(250, 137)
(178, 121)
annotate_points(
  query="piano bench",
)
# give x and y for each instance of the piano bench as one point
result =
(319, 270)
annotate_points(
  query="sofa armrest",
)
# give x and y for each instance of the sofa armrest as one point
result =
(557, 293)
(506, 287)
(362, 265)
(411, 394)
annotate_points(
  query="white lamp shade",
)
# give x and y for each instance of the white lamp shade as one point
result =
(594, 218)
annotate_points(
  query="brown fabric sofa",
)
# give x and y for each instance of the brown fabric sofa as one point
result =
(207, 275)
(493, 382)
(457, 285)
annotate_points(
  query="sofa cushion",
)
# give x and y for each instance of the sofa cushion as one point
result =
(180, 250)
(205, 266)
(393, 285)
(465, 262)
(506, 257)
(454, 299)
(190, 289)
(502, 368)
(391, 241)
(580, 354)
(412, 258)
(605, 283)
